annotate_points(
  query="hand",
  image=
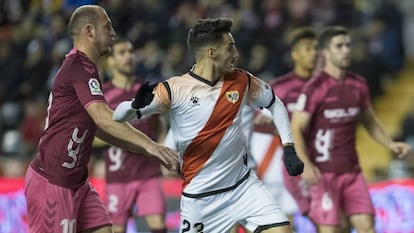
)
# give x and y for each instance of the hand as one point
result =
(144, 95)
(311, 174)
(167, 156)
(293, 164)
(400, 148)
(167, 173)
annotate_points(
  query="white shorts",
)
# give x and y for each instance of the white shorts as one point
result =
(250, 204)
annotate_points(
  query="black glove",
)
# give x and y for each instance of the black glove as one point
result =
(144, 96)
(293, 164)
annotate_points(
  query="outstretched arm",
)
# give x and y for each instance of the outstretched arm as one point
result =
(125, 136)
(371, 123)
(147, 101)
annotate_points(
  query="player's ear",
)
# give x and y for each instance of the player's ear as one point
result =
(90, 30)
(212, 53)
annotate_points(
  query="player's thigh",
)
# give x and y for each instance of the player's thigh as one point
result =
(151, 199)
(255, 208)
(51, 208)
(92, 212)
(299, 191)
(326, 206)
(119, 200)
(363, 222)
(207, 214)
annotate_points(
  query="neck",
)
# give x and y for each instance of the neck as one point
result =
(122, 81)
(334, 71)
(302, 72)
(91, 53)
(206, 70)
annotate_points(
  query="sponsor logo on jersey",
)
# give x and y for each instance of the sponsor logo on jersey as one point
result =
(340, 112)
(95, 86)
(232, 96)
(194, 101)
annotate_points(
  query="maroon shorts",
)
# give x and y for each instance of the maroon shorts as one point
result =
(52, 208)
(337, 194)
(146, 194)
(299, 191)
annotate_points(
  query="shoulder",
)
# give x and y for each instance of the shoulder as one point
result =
(356, 77)
(78, 62)
(279, 80)
(316, 81)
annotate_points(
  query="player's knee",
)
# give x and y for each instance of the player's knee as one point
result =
(365, 229)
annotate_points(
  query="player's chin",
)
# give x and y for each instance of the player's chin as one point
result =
(106, 50)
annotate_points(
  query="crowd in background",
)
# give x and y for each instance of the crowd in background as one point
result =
(34, 41)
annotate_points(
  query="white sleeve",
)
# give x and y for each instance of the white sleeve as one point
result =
(281, 120)
(124, 112)
(261, 95)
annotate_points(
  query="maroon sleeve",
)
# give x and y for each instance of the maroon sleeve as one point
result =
(87, 85)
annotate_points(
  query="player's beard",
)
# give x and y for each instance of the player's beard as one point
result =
(126, 72)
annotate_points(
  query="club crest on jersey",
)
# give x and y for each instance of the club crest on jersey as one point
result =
(232, 96)
(95, 86)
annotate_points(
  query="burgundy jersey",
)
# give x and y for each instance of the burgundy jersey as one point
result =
(287, 88)
(334, 106)
(65, 145)
(122, 165)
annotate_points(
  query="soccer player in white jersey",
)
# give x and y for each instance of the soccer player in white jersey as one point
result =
(205, 107)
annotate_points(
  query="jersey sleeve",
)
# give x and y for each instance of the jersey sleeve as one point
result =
(161, 101)
(88, 87)
(307, 101)
(365, 96)
(260, 93)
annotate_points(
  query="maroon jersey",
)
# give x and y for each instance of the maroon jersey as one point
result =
(287, 88)
(65, 145)
(334, 106)
(122, 165)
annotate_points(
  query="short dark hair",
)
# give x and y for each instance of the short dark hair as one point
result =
(208, 31)
(83, 15)
(299, 34)
(118, 40)
(328, 33)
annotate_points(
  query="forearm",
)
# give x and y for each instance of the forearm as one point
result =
(300, 144)
(123, 135)
(281, 121)
(375, 129)
(377, 132)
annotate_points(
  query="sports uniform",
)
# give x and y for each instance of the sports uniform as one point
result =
(334, 107)
(58, 193)
(205, 117)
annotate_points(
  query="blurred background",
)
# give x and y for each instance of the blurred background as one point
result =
(34, 40)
